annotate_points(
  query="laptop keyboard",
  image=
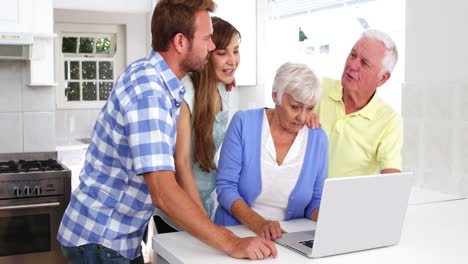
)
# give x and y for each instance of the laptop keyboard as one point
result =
(307, 243)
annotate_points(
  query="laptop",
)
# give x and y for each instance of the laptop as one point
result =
(356, 213)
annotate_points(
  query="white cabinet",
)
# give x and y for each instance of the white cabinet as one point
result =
(26, 16)
(242, 15)
(16, 15)
(42, 61)
(35, 17)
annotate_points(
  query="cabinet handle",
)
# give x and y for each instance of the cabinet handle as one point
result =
(29, 206)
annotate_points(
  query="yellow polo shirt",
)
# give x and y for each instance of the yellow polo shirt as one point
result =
(360, 143)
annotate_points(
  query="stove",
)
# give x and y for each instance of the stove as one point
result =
(30, 166)
(34, 193)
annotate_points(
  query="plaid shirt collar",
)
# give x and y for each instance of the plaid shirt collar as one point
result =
(175, 86)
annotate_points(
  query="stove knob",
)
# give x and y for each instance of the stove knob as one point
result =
(17, 192)
(27, 191)
(37, 190)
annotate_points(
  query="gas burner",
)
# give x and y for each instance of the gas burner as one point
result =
(30, 166)
(39, 165)
(8, 167)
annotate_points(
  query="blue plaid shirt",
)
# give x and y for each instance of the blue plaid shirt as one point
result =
(134, 133)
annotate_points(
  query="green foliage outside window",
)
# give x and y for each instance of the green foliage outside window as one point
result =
(86, 45)
(72, 91)
(69, 45)
(88, 77)
(89, 70)
(89, 91)
(105, 88)
(106, 70)
(103, 45)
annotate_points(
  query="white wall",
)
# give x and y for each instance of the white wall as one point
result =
(27, 112)
(254, 96)
(435, 94)
(73, 124)
(242, 15)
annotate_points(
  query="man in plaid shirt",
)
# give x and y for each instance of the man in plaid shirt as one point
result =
(129, 166)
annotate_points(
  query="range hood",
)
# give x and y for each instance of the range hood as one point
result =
(15, 46)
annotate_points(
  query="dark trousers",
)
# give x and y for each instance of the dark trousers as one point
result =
(96, 254)
(162, 227)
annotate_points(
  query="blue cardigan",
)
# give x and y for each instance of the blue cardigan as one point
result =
(239, 170)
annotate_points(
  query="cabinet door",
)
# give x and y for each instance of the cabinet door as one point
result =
(242, 15)
(15, 16)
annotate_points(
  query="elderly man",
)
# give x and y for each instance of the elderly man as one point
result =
(365, 134)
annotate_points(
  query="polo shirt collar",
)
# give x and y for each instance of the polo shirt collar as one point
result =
(370, 109)
(367, 111)
(337, 93)
(175, 86)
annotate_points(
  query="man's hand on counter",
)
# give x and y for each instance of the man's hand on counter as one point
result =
(253, 248)
(169, 197)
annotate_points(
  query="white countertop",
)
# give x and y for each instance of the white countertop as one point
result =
(433, 233)
(71, 153)
(72, 144)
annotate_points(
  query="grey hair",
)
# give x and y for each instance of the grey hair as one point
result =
(299, 81)
(391, 54)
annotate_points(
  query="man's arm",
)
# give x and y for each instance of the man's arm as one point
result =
(167, 195)
(182, 160)
(390, 171)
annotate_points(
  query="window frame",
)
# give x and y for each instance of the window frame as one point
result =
(88, 30)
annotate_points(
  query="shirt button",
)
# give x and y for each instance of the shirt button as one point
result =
(289, 212)
(177, 104)
(292, 198)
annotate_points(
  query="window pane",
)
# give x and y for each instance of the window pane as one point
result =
(105, 88)
(105, 70)
(103, 45)
(69, 45)
(66, 70)
(74, 70)
(89, 91)
(72, 91)
(325, 49)
(89, 70)
(86, 45)
(309, 50)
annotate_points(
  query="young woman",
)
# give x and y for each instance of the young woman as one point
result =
(203, 120)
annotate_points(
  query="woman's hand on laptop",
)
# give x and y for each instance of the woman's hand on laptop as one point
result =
(270, 230)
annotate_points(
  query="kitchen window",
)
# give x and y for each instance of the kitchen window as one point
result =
(89, 60)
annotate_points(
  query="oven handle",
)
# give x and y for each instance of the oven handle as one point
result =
(29, 206)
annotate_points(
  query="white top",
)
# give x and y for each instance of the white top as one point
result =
(278, 181)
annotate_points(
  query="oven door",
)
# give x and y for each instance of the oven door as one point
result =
(28, 230)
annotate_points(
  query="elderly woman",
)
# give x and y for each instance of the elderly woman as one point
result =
(272, 167)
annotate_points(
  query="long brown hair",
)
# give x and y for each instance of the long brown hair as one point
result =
(205, 110)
